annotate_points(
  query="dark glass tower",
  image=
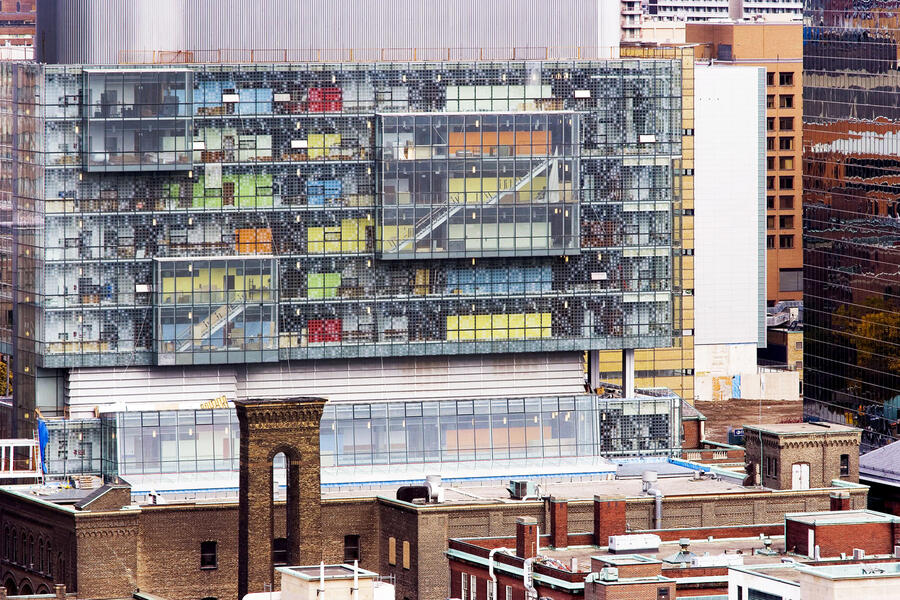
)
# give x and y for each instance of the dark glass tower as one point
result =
(851, 162)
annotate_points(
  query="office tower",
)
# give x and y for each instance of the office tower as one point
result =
(851, 303)
(431, 241)
(777, 47)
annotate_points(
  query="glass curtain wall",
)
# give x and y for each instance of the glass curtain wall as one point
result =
(460, 435)
(851, 220)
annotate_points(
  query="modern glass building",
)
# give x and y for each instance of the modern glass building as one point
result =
(852, 216)
(432, 246)
(360, 442)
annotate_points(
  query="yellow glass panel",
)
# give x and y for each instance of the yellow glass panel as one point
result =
(500, 326)
(467, 327)
(452, 327)
(517, 325)
(483, 327)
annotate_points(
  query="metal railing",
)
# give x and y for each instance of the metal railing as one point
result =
(362, 55)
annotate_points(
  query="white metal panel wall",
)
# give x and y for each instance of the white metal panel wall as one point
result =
(418, 378)
(727, 188)
(146, 388)
(361, 380)
(96, 31)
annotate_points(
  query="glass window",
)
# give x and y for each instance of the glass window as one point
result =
(208, 555)
(279, 551)
(785, 241)
(137, 120)
(351, 548)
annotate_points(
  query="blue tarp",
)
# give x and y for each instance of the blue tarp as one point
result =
(43, 438)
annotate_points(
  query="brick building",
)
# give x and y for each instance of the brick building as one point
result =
(17, 23)
(109, 546)
(726, 562)
(109, 542)
(841, 533)
(801, 455)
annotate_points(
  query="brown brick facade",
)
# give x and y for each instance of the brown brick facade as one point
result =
(38, 548)
(157, 548)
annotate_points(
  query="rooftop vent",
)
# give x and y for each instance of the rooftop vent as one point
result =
(682, 556)
(767, 549)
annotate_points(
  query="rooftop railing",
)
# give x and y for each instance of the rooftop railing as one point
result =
(363, 55)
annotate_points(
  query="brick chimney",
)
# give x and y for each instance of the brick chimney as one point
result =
(559, 523)
(609, 518)
(840, 500)
(60, 591)
(526, 537)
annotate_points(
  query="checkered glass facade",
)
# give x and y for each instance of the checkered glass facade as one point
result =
(213, 214)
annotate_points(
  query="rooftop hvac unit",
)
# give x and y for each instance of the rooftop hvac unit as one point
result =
(634, 543)
(521, 489)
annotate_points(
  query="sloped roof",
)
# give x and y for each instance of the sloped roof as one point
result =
(882, 464)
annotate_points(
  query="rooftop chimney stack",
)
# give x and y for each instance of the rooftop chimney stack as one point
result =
(609, 518)
(526, 537)
(559, 523)
(59, 589)
(840, 500)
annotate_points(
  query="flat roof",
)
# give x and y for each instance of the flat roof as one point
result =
(802, 428)
(793, 572)
(626, 559)
(857, 571)
(841, 517)
(673, 482)
(314, 572)
(741, 546)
